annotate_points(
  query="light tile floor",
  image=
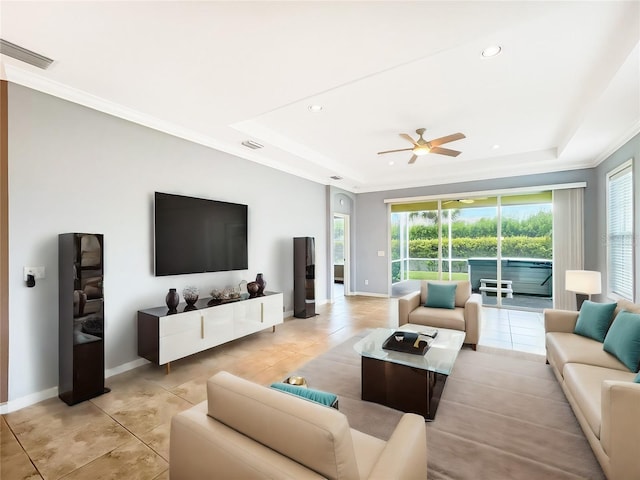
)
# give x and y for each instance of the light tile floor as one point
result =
(513, 330)
(124, 434)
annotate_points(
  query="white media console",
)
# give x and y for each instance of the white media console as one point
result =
(164, 336)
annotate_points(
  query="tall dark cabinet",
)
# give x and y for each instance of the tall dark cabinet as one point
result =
(81, 317)
(304, 277)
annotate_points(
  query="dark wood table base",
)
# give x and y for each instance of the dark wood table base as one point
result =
(401, 387)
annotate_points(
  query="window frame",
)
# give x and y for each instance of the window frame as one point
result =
(613, 292)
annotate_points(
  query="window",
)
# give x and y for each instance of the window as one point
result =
(620, 232)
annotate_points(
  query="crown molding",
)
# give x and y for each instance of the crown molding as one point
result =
(624, 138)
(42, 84)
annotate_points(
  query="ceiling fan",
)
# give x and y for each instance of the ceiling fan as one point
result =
(422, 147)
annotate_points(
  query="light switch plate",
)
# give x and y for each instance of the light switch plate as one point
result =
(381, 253)
(37, 272)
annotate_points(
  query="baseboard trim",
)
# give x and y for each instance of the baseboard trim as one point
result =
(125, 367)
(28, 400)
(371, 294)
(32, 399)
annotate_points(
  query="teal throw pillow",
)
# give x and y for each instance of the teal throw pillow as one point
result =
(637, 379)
(441, 295)
(594, 320)
(317, 396)
(623, 339)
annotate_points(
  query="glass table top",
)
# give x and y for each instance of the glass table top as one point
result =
(439, 358)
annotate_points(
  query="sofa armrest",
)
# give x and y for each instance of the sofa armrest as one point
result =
(472, 318)
(405, 455)
(406, 305)
(619, 433)
(556, 320)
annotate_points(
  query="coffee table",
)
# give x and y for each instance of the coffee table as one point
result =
(404, 381)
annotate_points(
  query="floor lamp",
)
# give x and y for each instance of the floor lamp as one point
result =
(584, 283)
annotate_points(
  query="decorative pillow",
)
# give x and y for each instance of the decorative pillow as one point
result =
(637, 379)
(317, 396)
(594, 320)
(623, 339)
(441, 295)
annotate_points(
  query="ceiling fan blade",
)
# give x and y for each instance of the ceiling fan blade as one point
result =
(445, 151)
(449, 138)
(408, 137)
(413, 159)
(401, 150)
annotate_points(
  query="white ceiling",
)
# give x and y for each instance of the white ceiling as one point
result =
(563, 94)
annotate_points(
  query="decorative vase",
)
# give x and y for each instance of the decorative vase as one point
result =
(252, 288)
(190, 295)
(261, 284)
(172, 299)
(242, 289)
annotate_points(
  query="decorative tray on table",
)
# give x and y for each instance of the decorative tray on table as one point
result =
(408, 342)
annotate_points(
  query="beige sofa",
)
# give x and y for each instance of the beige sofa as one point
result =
(601, 392)
(247, 431)
(466, 316)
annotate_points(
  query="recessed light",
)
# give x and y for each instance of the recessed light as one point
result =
(496, 146)
(491, 51)
(315, 108)
(251, 144)
(391, 162)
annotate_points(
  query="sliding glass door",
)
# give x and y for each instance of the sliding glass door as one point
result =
(502, 244)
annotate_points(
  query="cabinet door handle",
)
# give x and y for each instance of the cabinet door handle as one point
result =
(261, 312)
(201, 326)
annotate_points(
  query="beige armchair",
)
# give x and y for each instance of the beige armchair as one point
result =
(248, 431)
(466, 316)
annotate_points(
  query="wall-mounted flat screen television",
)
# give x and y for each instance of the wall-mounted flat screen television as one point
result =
(195, 235)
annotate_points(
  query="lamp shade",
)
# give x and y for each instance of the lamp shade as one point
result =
(583, 281)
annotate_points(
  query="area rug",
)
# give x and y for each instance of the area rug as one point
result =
(499, 417)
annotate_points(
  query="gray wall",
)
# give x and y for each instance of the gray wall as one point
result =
(73, 169)
(372, 218)
(598, 258)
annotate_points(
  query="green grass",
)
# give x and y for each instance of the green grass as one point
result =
(434, 276)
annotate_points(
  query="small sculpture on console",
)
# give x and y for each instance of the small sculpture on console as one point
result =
(252, 288)
(190, 295)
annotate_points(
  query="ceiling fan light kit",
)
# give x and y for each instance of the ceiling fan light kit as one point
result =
(422, 147)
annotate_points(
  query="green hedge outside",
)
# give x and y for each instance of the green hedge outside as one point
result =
(519, 247)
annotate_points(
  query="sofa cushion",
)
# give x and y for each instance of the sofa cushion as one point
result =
(623, 339)
(637, 378)
(594, 319)
(628, 306)
(584, 382)
(311, 434)
(564, 348)
(439, 317)
(441, 295)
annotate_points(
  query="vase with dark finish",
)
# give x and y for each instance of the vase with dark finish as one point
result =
(172, 299)
(261, 284)
(252, 288)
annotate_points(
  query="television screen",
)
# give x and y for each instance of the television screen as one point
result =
(194, 235)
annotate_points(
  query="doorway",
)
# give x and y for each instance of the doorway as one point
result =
(341, 263)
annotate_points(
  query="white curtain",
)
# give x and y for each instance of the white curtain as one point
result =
(568, 242)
